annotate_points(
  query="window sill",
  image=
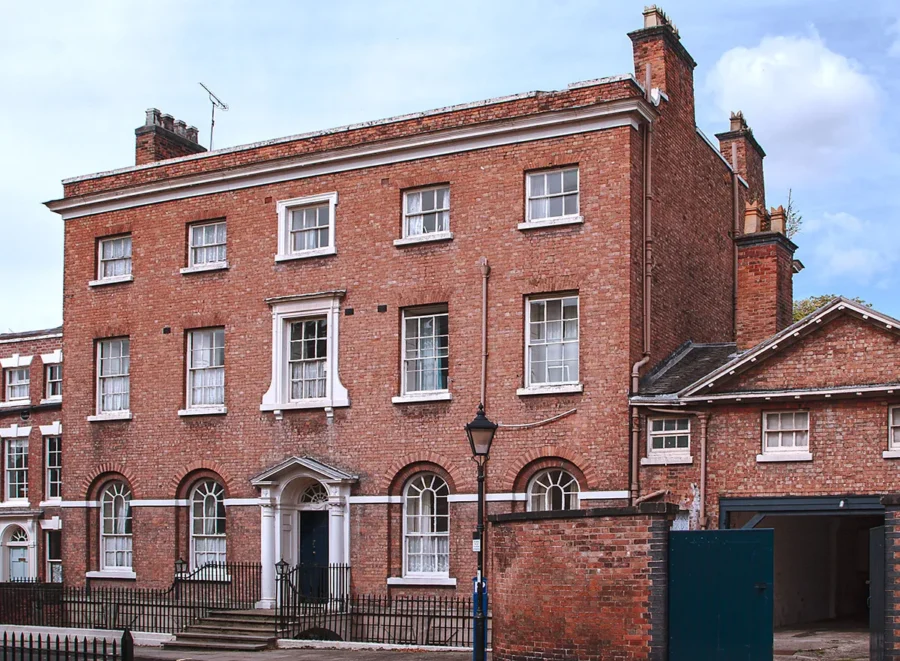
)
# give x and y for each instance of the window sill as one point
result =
(321, 403)
(441, 581)
(671, 460)
(784, 456)
(13, 403)
(551, 222)
(109, 417)
(318, 252)
(424, 238)
(111, 281)
(561, 389)
(891, 454)
(122, 575)
(209, 410)
(15, 503)
(51, 400)
(422, 398)
(204, 268)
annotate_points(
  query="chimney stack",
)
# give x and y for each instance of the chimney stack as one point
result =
(739, 144)
(765, 287)
(671, 66)
(162, 137)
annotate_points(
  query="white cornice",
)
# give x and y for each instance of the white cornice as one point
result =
(628, 112)
(30, 338)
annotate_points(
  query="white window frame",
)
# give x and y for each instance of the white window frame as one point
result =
(667, 455)
(565, 479)
(893, 425)
(218, 492)
(124, 491)
(288, 309)
(112, 414)
(555, 387)
(112, 279)
(52, 562)
(792, 453)
(424, 237)
(193, 266)
(407, 535)
(202, 409)
(285, 207)
(48, 468)
(50, 382)
(8, 385)
(9, 443)
(51, 360)
(565, 219)
(411, 396)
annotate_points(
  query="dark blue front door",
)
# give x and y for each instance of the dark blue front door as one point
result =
(314, 554)
(721, 595)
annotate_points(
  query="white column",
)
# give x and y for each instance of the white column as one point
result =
(267, 553)
(339, 587)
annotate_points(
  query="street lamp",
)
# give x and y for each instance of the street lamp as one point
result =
(481, 434)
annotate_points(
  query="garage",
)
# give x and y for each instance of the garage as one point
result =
(821, 555)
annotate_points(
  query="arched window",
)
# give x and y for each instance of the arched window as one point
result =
(115, 527)
(207, 524)
(553, 490)
(315, 494)
(426, 527)
(17, 554)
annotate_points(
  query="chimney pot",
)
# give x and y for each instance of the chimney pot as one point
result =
(754, 215)
(152, 117)
(180, 127)
(192, 133)
(168, 122)
(778, 220)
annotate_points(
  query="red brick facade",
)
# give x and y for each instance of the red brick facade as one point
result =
(31, 420)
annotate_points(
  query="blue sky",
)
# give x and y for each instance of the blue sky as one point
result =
(813, 79)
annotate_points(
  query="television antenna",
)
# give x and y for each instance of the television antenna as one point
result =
(216, 103)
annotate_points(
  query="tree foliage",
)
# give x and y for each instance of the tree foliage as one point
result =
(806, 306)
(792, 219)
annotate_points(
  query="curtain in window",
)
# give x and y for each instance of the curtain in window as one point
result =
(427, 526)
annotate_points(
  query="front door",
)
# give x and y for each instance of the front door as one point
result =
(313, 553)
(720, 595)
(876, 593)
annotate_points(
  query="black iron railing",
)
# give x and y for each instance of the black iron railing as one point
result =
(192, 595)
(19, 647)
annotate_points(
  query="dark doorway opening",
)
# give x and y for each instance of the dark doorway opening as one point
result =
(314, 554)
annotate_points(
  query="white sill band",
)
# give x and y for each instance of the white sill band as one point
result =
(14, 403)
(320, 403)
(114, 575)
(51, 400)
(204, 268)
(784, 456)
(109, 417)
(422, 398)
(111, 281)
(663, 460)
(423, 238)
(441, 581)
(306, 254)
(551, 222)
(15, 502)
(562, 389)
(891, 454)
(209, 410)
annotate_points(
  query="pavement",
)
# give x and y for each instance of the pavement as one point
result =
(821, 644)
(313, 654)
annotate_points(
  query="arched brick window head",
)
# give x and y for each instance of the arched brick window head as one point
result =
(208, 541)
(426, 527)
(553, 490)
(115, 527)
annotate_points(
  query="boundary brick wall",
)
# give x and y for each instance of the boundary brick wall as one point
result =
(587, 584)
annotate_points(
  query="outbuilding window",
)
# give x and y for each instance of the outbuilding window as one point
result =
(786, 431)
(894, 431)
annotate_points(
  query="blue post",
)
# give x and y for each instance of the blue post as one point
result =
(479, 619)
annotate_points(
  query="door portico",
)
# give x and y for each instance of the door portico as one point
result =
(298, 498)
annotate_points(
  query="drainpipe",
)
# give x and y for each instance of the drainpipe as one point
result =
(485, 274)
(647, 286)
(736, 231)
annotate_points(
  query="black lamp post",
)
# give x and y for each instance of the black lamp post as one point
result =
(481, 434)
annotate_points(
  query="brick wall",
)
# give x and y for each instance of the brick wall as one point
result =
(891, 577)
(585, 585)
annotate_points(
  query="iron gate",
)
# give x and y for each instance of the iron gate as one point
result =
(721, 595)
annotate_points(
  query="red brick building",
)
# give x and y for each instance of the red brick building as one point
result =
(31, 438)
(277, 345)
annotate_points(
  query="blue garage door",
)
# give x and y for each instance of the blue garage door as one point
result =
(720, 595)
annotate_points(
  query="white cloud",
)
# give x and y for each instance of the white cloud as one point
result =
(843, 248)
(812, 107)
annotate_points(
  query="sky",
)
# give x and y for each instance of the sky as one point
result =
(813, 79)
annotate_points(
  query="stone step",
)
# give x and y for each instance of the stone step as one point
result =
(239, 621)
(222, 627)
(224, 637)
(223, 646)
